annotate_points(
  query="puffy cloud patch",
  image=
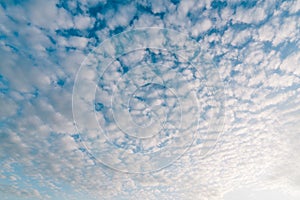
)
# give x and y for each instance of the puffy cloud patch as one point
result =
(255, 47)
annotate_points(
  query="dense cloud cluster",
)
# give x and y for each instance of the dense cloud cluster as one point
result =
(254, 46)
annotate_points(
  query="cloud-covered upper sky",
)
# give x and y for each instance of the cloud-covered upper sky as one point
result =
(149, 99)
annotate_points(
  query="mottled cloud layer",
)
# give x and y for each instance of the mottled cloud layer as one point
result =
(254, 46)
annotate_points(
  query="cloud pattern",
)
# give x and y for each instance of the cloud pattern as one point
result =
(254, 140)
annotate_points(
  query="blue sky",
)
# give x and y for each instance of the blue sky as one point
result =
(153, 99)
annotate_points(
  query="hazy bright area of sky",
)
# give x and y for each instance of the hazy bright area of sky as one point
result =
(250, 194)
(150, 99)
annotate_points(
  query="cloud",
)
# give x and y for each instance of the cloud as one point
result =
(255, 48)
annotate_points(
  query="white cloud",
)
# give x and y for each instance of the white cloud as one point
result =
(253, 15)
(201, 27)
(83, 22)
(241, 37)
(287, 30)
(291, 64)
(47, 17)
(262, 101)
(122, 18)
(147, 20)
(78, 42)
(8, 107)
(266, 33)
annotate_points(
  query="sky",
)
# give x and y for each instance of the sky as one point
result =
(162, 99)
